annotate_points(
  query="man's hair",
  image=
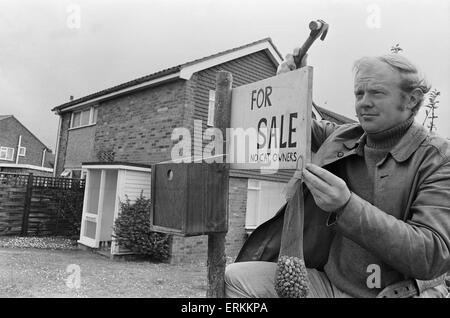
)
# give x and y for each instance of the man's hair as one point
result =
(411, 78)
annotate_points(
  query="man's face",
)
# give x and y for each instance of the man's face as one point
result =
(378, 98)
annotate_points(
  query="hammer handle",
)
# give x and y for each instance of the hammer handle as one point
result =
(315, 27)
(303, 50)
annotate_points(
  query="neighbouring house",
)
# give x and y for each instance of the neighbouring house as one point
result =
(329, 115)
(21, 151)
(122, 130)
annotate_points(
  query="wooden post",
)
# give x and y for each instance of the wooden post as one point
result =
(27, 205)
(216, 242)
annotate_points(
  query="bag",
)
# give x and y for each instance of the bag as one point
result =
(291, 275)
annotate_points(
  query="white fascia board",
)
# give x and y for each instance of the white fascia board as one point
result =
(187, 71)
(122, 91)
(116, 167)
(25, 166)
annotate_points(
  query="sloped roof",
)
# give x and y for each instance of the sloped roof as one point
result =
(14, 118)
(172, 71)
(4, 116)
(332, 116)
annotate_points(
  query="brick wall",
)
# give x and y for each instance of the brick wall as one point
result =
(137, 128)
(236, 214)
(194, 249)
(189, 249)
(10, 130)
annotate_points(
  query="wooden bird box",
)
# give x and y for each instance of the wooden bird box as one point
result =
(189, 199)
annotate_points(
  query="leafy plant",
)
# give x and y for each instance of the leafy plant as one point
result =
(432, 102)
(431, 108)
(132, 230)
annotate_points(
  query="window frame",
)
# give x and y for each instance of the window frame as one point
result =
(211, 107)
(85, 118)
(6, 150)
(24, 149)
(260, 206)
(92, 117)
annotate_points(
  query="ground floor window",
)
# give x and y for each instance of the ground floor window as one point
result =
(264, 199)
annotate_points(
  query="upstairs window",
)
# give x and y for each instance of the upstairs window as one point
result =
(6, 153)
(22, 151)
(94, 115)
(76, 120)
(84, 117)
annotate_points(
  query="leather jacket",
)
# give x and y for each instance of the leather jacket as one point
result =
(408, 225)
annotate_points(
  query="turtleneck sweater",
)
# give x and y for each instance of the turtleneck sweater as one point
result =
(348, 263)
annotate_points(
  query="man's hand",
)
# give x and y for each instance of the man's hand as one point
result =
(329, 191)
(289, 63)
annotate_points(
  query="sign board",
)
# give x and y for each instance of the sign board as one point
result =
(271, 122)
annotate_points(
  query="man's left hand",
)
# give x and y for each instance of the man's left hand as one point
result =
(329, 191)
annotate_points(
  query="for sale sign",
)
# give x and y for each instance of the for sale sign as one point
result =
(270, 122)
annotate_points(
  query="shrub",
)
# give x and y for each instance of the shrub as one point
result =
(132, 230)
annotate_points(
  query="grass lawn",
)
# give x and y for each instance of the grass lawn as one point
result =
(37, 272)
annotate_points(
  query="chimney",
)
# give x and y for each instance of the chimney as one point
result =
(71, 97)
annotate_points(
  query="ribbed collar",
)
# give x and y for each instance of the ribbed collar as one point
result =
(388, 138)
(407, 145)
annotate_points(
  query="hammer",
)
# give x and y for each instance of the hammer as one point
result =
(318, 28)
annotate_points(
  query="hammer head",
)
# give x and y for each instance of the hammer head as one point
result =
(325, 27)
(318, 27)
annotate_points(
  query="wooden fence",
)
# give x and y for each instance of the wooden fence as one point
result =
(37, 205)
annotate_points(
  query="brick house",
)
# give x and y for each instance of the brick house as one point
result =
(133, 123)
(21, 151)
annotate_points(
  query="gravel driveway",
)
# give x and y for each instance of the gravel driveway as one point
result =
(33, 272)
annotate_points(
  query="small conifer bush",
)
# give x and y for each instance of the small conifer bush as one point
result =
(132, 230)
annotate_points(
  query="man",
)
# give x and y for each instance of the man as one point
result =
(384, 186)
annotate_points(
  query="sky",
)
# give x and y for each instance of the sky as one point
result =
(51, 49)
